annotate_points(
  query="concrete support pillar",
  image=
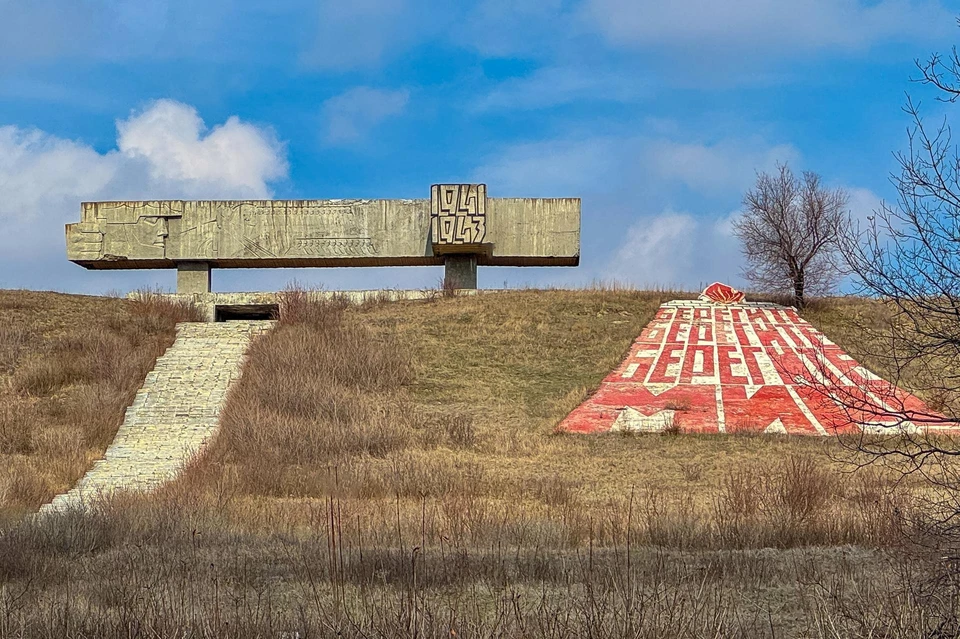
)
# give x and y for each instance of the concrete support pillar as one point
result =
(460, 271)
(193, 277)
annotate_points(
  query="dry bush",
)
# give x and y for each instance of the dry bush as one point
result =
(457, 429)
(691, 471)
(310, 428)
(128, 565)
(300, 307)
(314, 390)
(157, 312)
(799, 501)
(114, 351)
(418, 475)
(554, 491)
(329, 405)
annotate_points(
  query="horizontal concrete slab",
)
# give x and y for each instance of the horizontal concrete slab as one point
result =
(314, 233)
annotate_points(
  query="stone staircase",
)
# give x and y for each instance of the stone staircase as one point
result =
(174, 414)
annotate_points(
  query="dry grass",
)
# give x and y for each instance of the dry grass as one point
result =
(435, 421)
(69, 366)
(454, 402)
(391, 470)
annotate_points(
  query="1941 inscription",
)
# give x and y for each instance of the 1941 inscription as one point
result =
(458, 214)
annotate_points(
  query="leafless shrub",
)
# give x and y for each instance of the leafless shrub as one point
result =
(156, 312)
(791, 503)
(555, 491)
(317, 389)
(67, 392)
(905, 256)
(323, 509)
(43, 375)
(737, 506)
(298, 306)
(691, 471)
(672, 429)
(678, 404)
(447, 288)
(415, 475)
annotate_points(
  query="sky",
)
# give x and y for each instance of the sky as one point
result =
(657, 114)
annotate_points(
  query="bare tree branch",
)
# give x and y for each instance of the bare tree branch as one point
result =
(788, 230)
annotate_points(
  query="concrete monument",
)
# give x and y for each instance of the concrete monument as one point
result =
(458, 227)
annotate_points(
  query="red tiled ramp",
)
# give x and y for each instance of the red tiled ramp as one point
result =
(700, 367)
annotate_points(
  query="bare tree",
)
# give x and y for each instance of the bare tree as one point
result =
(789, 229)
(907, 258)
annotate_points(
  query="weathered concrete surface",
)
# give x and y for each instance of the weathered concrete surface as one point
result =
(460, 272)
(210, 302)
(174, 414)
(316, 233)
(699, 367)
(193, 277)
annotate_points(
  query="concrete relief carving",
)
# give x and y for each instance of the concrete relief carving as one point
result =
(458, 214)
(339, 247)
(457, 219)
(296, 229)
(85, 242)
(126, 230)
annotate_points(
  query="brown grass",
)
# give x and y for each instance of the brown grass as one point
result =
(450, 405)
(69, 366)
(391, 470)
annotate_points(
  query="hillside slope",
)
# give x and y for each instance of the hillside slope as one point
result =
(69, 366)
(392, 470)
(459, 397)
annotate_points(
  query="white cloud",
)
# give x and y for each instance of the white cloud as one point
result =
(677, 250)
(624, 180)
(163, 152)
(783, 28)
(37, 170)
(352, 114)
(863, 203)
(171, 138)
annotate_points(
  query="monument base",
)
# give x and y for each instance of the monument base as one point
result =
(459, 271)
(222, 307)
(193, 278)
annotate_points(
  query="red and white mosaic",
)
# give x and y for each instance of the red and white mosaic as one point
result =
(702, 367)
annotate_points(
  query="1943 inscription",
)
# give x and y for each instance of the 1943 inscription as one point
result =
(458, 214)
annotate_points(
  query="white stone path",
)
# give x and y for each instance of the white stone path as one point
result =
(174, 414)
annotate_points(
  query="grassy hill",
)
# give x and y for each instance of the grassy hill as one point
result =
(69, 366)
(392, 470)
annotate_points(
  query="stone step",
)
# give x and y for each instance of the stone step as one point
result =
(174, 414)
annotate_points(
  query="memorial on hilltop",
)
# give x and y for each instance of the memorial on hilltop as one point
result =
(459, 227)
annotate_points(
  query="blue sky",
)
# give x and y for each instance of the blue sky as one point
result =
(656, 114)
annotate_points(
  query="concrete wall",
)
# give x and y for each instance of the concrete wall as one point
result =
(209, 302)
(288, 233)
